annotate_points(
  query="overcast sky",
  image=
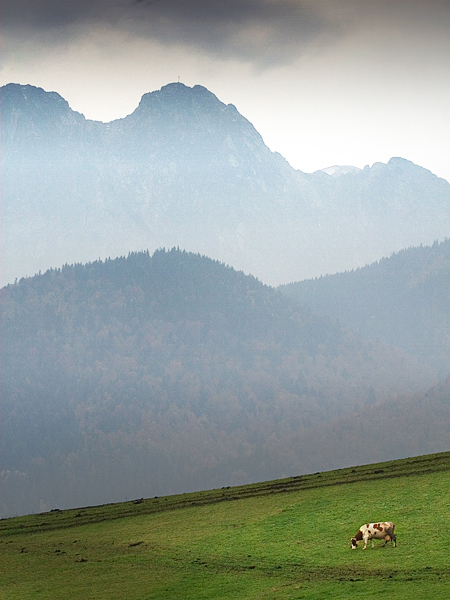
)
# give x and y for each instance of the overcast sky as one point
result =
(325, 82)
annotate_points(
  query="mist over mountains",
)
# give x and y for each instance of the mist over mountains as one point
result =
(186, 170)
(167, 373)
(402, 300)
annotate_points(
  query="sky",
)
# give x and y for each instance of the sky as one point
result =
(325, 82)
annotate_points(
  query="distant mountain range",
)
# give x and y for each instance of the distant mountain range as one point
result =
(403, 301)
(167, 373)
(185, 170)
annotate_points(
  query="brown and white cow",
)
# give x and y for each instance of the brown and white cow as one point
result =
(375, 531)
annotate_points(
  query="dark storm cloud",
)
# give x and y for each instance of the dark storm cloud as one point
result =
(47, 14)
(172, 15)
(247, 29)
(261, 31)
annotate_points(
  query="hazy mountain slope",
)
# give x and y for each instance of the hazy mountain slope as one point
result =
(382, 430)
(402, 300)
(371, 213)
(186, 170)
(171, 372)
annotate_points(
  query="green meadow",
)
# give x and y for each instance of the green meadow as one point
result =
(286, 539)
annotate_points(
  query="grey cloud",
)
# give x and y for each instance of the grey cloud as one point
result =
(44, 15)
(48, 14)
(263, 32)
(257, 30)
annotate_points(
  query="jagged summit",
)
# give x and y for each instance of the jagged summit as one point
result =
(180, 90)
(185, 169)
(337, 170)
(190, 108)
(35, 121)
(15, 97)
(28, 92)
(179, 98)
(19, 102)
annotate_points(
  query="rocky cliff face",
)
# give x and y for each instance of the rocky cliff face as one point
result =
(186, 170)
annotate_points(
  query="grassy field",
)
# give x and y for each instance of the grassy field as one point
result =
(286, 539)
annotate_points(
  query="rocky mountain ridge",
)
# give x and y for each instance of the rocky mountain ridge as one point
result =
(186, 170)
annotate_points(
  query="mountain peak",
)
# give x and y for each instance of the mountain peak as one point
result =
(190, 124)
(180, 96)
(180, 88)
(19, 95)
(337, 170)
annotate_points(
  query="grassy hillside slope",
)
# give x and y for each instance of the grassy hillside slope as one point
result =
(282, 539)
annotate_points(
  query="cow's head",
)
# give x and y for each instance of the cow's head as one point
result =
(358, 537)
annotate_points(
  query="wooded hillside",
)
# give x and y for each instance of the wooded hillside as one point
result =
(403, 300)
(150, 375)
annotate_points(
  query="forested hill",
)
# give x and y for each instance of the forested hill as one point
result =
(149, 375)
(402, 300)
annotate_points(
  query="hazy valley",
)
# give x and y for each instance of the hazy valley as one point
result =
(129, 370)
(168, 373)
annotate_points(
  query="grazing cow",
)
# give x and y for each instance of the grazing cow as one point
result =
(375, 531)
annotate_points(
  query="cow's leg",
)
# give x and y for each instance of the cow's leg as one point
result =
(366, 539)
